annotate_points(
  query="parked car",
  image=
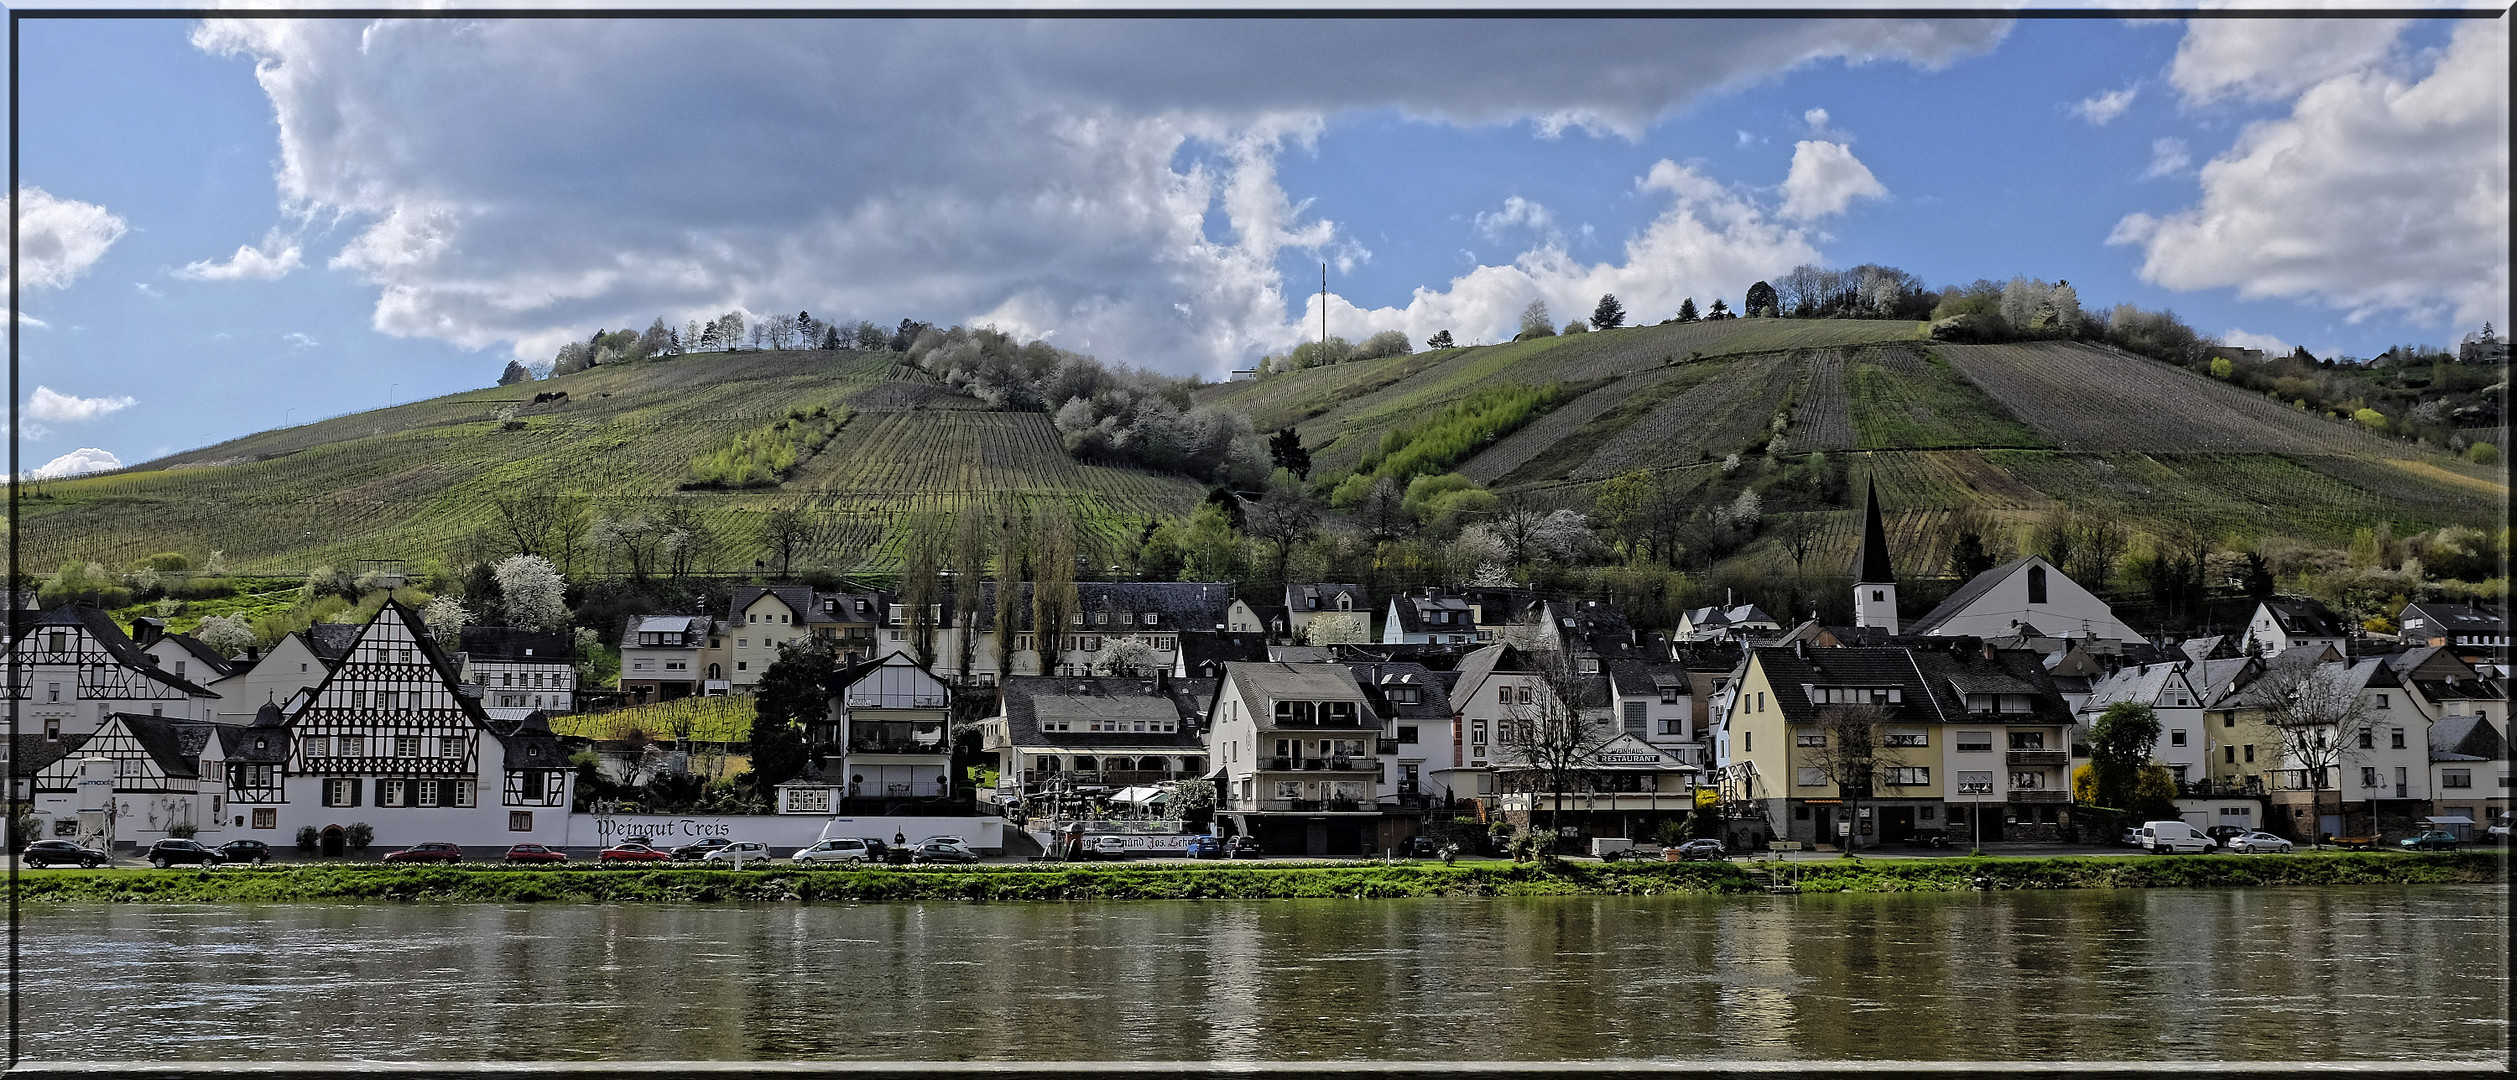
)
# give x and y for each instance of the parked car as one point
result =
(2132, 838)
(432, 851)
(43, 853)
(2498, 832)
(747, 851)
(953, 840)
(938, 852)
(877, 849)
(1106, 847)
(1244, 846)
(171, 851)
(844, 849)
(627, 853)
(700, 849)
(2222, 834)
(245, 851)
(1701, 849)
(1421, 847)
(535, 853)
(1203, 847)
(2254, 842)
(2433, 840)
(2172, 837)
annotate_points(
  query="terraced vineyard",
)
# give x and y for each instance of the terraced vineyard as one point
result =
(415, 480)
(2085, 397)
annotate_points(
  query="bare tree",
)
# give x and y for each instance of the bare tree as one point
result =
(1518, 520)
(1285, 517)
(2103, 541)
(1799, 535)
(1009, 579)
(686, 539)
(2319, 716)
(1054, 603)
(969, 563)
(629, 540)
(1559, 732)
(1383, 510)
(784, 532)
(921, 590)
(1851, 750)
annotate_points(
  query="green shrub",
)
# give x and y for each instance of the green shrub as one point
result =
(766, 456)
(2482, 453)
(358, 835)
(308, 839)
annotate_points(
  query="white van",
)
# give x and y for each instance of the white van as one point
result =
(2172, 837)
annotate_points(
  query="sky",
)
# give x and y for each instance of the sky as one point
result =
(231, 226)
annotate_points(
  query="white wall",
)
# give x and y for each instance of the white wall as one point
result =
(783, 833)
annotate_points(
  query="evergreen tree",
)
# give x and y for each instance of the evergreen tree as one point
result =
(1609, 315)
(1761, 301)
(1442, 340)
(1285, 447)
(515, 373)
(1686, 310)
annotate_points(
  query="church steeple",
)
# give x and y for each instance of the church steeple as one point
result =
(1874, 581)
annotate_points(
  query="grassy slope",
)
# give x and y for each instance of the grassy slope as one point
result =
(413, 480)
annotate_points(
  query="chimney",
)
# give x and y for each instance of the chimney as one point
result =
(1988, 650)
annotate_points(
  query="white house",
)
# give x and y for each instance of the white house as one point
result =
(2023, 597)
(1306, 601)
(75, 666)
(1298, 748)
(166, 772)
(520, 671)
(885, 738)
(2168, 689)
(2288, 622)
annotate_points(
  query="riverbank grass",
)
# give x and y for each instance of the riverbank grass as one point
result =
(1210, 881)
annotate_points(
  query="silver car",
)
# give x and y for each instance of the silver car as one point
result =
(740, 853)
(845, 849)
(2250, 843)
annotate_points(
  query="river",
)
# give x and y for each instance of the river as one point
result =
(2365, 972)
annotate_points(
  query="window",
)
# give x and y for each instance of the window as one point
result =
(1800, 813)
(1634, 719)
(1673, 725)
(1407, 733)
(2368, 776)
(1878, 596)
(1926, 813)
(391, 792)
(742, 665)
(428, 791)
(1912, 776)
(2456, 778)
(52, 729)
(1809, 738)
(2027, 781)
(2381, 701)
(2176, 737)
(1289, 789)
(52, 692)
(2036, 584)
(1812, 777)
(808, 800)
(266, 818)
(1749, 741)
(1525, 698)
(2228, 719)
(742, 643)
(2228, 755)
(1760, 701)
(1906, 738)
(2397, 743)
(519, 821)
(2368, 740)
(2027, 740)
(1477, 735)
(1669, 695)
(2250, 753)
(406, 746)
(1975, 742)
(317, 746)
(340, 791)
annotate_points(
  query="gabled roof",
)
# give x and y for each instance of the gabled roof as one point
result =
(438, 663)
(1026, 700)
(2140, 684)
(1632, 678)
(2303, 617)
(1969, 593)
(1303, 682)
(1378, 679)
(2466, 738)
(176, 751)
(330, 641)
(530, 743)
(31, 752)
(1303, 596)
(797, 598)
(2453, 619)
(208, 656)
(1933, 681)
(110, 637)
(1200, 649)
(2214, 647)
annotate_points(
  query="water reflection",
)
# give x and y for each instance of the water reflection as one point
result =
(2206, 974)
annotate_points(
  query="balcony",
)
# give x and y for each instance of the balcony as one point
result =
(1332, 764)
(1385, 746)
(2040, 796)
(2038, 758)
(1316, 806)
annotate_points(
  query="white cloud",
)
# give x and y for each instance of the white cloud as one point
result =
(59, 239)
(1710, 240)
(300, 340)
(2273, 59)
(1817, 121)
(34, 432)
(47, 404)
(86, 459)
(271, 261)
(2375, 194)
(1825, 179)
(507, 187)
(2168, 157)
(2270, 345)
(1518, 214)
(2107, 106)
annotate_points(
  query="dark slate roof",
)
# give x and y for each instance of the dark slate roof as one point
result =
(2305, 617)
(1433, 702)
(1322, 596)
(208, 656)
(797, 598)
(237, 743)
(1715, 656)
(508, 644)
(1177, 605)
(2466, 738)
(1202, 651)
(2454, 619)
(2215, 647)
(31, 753)
(1872, 566)
(167, 744)
(1026, 698)
(1933, 681)
(530, 743)
(1640, 677)
(1973, 590)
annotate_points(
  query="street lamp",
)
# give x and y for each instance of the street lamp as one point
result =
(1977, 788)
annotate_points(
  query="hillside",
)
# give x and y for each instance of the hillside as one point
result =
(414, 480)
(2012, 429)
(2016, 430)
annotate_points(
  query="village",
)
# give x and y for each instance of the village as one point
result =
(1170, 712)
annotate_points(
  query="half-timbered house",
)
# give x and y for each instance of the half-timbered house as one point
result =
(391, 738)
(159, 771)
(75, 666)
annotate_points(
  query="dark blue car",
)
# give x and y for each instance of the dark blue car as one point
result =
(1204, 847)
